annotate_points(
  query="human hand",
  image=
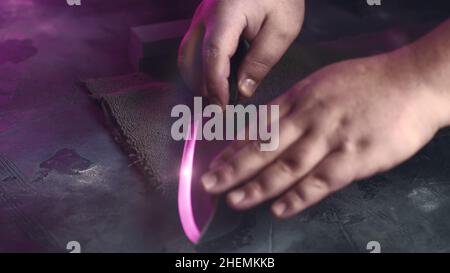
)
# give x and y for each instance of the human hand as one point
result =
(346, 122)
(205, 52)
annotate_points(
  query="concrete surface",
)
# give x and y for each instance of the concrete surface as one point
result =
(64, 179)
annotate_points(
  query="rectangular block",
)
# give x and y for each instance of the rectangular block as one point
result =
(151, 44)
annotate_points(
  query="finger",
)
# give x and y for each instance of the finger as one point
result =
(332, 174)
(251, 159)
(226, 154)
(297, 161)
(265, 51)
(220, 44)
(189, 58)
(285, 104)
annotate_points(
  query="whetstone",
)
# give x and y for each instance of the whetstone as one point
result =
(153, 46)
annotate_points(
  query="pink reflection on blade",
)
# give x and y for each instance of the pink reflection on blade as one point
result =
(185, 208)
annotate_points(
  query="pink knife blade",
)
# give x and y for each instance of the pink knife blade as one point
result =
(195, 206)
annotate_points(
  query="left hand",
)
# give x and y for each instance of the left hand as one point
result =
(346, 122)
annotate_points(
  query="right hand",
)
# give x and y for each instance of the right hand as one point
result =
(213, 37)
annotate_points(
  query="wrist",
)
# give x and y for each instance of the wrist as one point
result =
(431, 60)
(404, 71)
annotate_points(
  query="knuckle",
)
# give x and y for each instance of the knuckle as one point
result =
(256, 189)
(296, 196)
(231, 167)
(348, 145)
(336, 175)
(226, 172)
(364, 143)
(295, 124)
(344, 122)
(322, 104)
(318, 106)
(290, 164)
(261, 64)
(320, 183)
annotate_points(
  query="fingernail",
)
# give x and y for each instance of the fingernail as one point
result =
(279, 208)
(209, 181)
(237, 196)
(247, 87)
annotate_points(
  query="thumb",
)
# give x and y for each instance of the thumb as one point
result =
(265, 51)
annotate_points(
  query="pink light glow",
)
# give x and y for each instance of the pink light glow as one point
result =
(185, 209)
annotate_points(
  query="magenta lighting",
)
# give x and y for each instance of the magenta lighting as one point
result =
(185, 209)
